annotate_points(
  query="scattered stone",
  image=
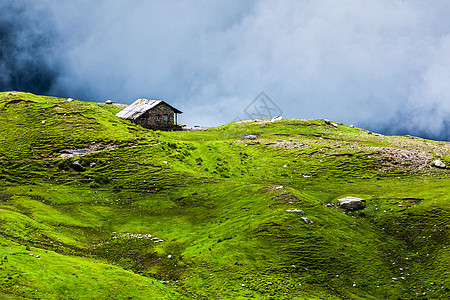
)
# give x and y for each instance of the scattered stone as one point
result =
(108, 101)
(69, 99)
(169, 256)
(352, 203)
(295, 210)
(288, 145)
(306, 220)
(43, 122)
(76, 165)
(439, 164)
(327, 121)
(279, 187)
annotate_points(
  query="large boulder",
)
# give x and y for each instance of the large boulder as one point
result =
(77, 166)
(352, 203)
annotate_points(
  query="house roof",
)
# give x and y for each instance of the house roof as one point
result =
(139, 107)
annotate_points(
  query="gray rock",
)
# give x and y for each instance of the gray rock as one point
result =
(277, 118)
(108, 102)
(439, 164)
(295, 210)
(306, 220)
(327, 121)
(334, 125)
(92, 164)
(352, 203)
(76, 165)
(69, 99)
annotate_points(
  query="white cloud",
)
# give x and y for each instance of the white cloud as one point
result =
(374, 63)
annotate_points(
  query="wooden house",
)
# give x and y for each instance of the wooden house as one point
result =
(152, 114)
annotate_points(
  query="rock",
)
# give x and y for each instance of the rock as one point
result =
(439, 164)
(306, 220)
(92, 164)
(352, 203)
(295, 210)
(327, 121)
(277, 118)
(69, 99)
(352, 126)
(334, 125)
(43, 122)
(108, 102)
(76, 165)
(249, 136)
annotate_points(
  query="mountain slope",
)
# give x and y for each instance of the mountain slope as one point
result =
(214, 214)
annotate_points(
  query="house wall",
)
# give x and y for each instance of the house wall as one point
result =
(160, 117)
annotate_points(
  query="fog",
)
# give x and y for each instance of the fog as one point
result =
(380, 65)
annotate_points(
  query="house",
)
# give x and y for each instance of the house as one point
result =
(152, 114)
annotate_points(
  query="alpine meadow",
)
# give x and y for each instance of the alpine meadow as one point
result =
(95, 207)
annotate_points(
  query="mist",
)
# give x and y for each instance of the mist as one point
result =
(380, 65)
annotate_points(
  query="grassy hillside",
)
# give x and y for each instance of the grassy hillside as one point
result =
(208, 214)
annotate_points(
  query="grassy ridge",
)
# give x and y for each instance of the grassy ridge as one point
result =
(206, 212)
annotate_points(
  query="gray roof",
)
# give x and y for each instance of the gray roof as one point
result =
(139, 107)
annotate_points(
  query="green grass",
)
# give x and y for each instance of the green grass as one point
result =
(216, 202)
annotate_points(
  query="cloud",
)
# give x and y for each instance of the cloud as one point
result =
(25, 50)
(378, 64)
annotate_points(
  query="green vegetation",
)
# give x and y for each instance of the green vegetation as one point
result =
(204, 214)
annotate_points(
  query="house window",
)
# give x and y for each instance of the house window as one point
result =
(166, 118)
(157, 118)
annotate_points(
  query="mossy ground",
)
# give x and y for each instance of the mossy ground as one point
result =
(215, 204)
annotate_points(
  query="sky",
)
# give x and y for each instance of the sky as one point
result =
(382, 65)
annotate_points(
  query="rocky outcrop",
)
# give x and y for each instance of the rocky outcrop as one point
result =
(352, 203)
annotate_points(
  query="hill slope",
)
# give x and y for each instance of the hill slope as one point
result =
(214, 213)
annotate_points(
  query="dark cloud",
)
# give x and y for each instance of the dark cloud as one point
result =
(382, 65)
(25, 50)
